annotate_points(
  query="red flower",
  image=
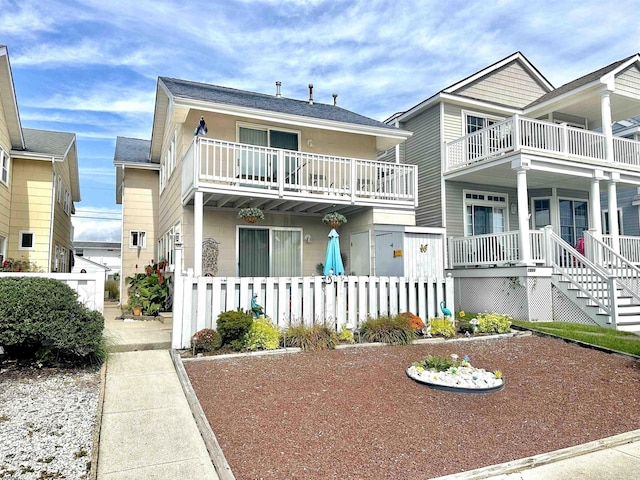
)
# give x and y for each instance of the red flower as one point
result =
(158, 271)
(136, 266)
(160, 279)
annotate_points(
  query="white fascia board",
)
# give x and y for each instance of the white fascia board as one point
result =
(47, 157)
(271, 116)
(139, 166)
(11, 107)
(457, 100)
(546, 106)
(609, 78)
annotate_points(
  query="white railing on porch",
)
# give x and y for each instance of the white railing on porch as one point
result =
(492, 249)
(518, 133)
(240, 167)
(627, 275)
(629, 247)
(591, 280)
(335, 302)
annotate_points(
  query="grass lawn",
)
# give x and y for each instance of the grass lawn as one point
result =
(604, 337)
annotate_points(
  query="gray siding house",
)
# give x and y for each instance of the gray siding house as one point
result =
(516, 171)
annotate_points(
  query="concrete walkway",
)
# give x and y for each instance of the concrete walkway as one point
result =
(147, 428)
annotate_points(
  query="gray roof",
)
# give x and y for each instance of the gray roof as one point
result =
(132, 150)
(47, 142)
(584, 80)
(231, 96)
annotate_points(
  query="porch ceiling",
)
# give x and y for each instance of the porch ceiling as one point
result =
(544, 172)
(304, 206)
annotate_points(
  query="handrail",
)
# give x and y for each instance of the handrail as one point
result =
(582, 273)
(625, 272)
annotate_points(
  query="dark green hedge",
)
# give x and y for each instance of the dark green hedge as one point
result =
(42, 317)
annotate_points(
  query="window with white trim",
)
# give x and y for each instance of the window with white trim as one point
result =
(137, 239)
(269, 252)
(27, 240)
(59, 195)
(4, 167)
(67, 201)
(485, 212)
(3, 248)
(541, 210)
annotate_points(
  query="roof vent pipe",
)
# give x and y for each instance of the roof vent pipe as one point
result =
(278, 85)
(335, 98)
(311, 94)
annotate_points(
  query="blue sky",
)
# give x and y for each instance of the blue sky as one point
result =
(90, 67)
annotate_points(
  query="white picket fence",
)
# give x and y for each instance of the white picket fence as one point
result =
(334, 301)
(88, 286)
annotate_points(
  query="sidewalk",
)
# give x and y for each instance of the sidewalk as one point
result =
(147, 428)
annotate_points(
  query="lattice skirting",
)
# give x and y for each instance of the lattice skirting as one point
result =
(523, 298)
(564, 310)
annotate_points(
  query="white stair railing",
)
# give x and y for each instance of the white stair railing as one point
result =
(590, 279)
(627, 275)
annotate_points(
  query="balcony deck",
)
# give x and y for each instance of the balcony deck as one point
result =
(553, 140)
(227, 170)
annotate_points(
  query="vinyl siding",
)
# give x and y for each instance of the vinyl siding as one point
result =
(510, 85)
(5, 190)
(453, 128)
(628, 82)
(423, 149)
(62, 220)
(170, 203)
(455, 205)
(31, 210)
(139, 212)
(630, 213)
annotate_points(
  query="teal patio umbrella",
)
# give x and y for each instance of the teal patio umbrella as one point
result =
(333, 261)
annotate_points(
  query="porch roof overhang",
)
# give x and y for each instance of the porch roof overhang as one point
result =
(542, 172)
(292, 203)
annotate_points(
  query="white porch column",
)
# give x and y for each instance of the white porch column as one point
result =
(605, 108)
(594, 200)
(523, 216)
(198, 218)
(613, 215)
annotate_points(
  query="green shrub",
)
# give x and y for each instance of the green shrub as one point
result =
(206, 340)
(112, 289)
(315, 337)
(262, 335)
(149, 290)
(232, 327)
(396, 330)
(439, 364)
(42, 318)
(494, 323)
(443, 327)
(346, 335)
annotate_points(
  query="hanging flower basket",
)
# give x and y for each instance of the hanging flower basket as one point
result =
(334, 219)
(250, 215)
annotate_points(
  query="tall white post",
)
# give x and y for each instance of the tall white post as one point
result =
(594, 200)
(612, 195)
(198, 219)
(178, 300)
(605, 108)
(523, 216)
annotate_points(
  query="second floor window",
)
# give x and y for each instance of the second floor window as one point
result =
(4, 167)
(137, 239)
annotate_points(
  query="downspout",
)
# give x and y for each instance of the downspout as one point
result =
(53, 207)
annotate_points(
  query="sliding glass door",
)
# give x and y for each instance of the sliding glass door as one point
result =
(269, 252)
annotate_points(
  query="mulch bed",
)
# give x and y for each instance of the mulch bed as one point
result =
(354, 413)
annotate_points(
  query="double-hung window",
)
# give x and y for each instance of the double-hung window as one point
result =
(3, 247)
(137, 239)
(4, 167)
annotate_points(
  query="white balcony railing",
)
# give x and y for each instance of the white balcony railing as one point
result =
(492, 249)
(240, 167)
(518, 133)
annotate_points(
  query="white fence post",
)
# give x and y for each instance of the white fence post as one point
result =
(178, 301)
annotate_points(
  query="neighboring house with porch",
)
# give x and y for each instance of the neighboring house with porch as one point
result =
(502, 154)
(39, 184)
(296, 160)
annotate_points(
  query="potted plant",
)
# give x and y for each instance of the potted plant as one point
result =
(250, 215)
(334, 219)
(135, 303)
